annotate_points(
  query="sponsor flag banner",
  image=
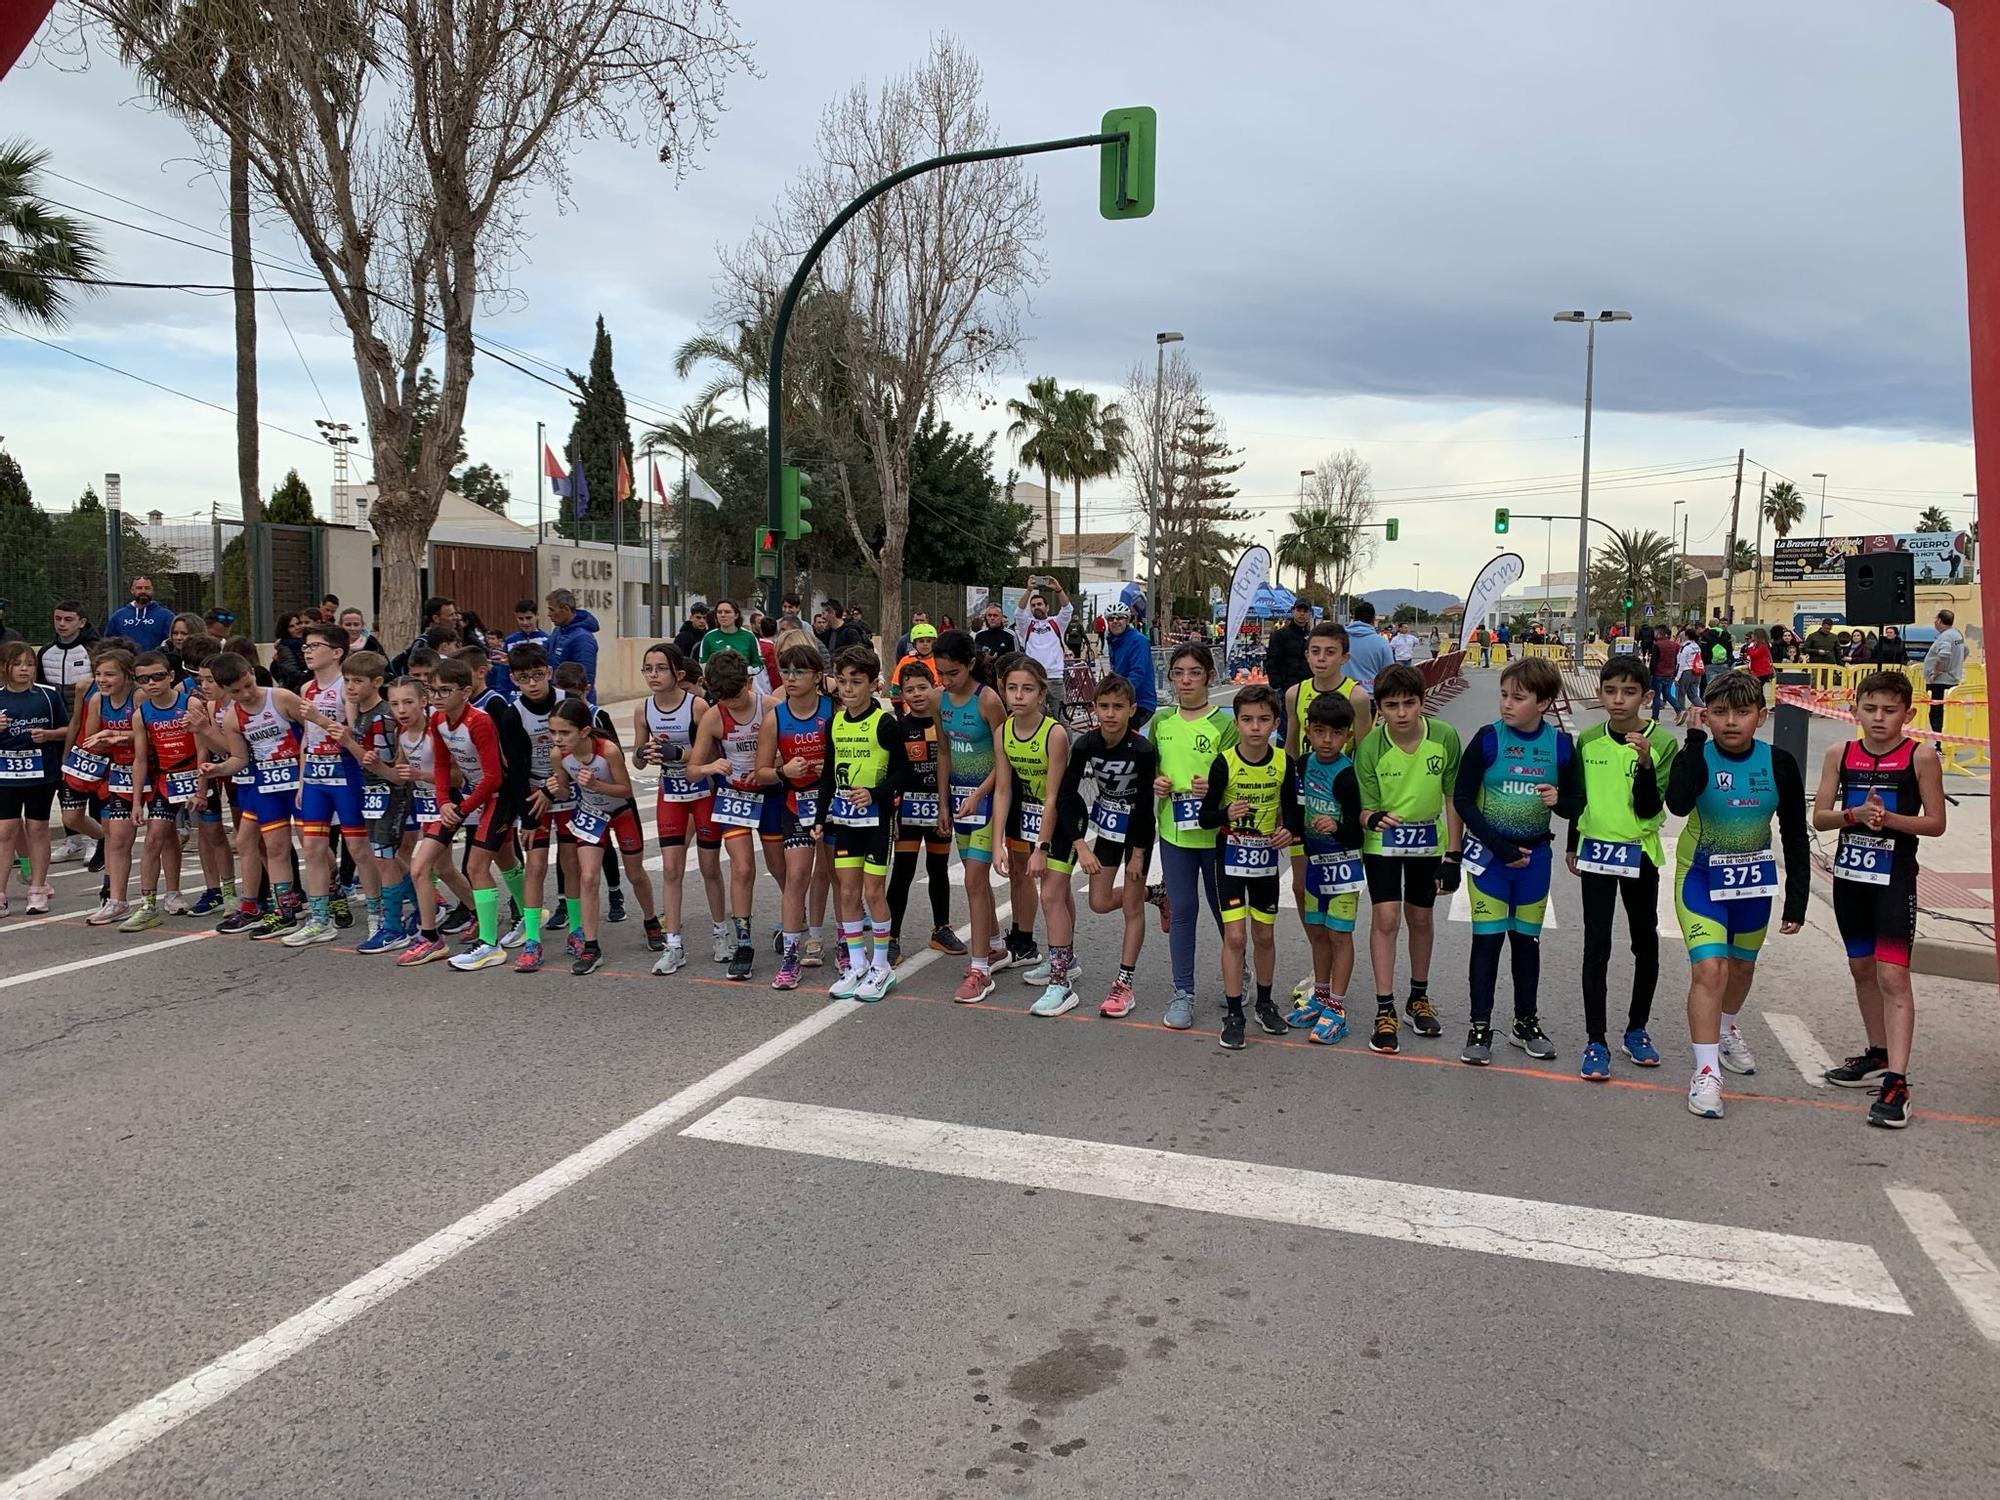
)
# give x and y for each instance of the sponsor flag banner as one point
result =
(1253, 569)
(1499, 575)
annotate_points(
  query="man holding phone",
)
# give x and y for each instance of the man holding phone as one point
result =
(1041, 634)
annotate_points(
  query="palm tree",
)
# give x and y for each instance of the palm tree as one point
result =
(1784, 507)
(1091, 439)
(1316, 540)
(1932, 518)
(1639, 566)
(1037, 429)
(691, 432)
(44, 256)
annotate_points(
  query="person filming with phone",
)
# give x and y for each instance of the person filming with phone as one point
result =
(1040, 633)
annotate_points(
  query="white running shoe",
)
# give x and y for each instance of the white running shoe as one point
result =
(1736, 1054)
(725, 946)
(671, 961)
(848, 986)
(515, 935)
(76, 846)
(485, 956)
(1058, 999)
(108, 912)
(174, 904)
(1705, 1095)
(875, 983)
(308, 932)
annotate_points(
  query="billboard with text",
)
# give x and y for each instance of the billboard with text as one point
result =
(1939, 555)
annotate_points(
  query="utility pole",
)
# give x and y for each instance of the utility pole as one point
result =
(1729, 558)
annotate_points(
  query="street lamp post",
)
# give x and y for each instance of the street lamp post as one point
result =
(1583, 521)
(342, 437)
(1822, 501)
(1680, 561)
(1162, 616)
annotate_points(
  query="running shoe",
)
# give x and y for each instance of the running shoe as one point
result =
(813, 956)
(778, 941)
(1891, 1109)
(974, 987)
(724, 947)
(1180, 1011)
(384, 939)
(999, 956)
(455, 921)
(1736, 1054)
(895, 951)
(70, 848)
(273, 924)
(1057, 1000)
(1269, 1021)
(1639, 1047)
(308, 932)
(672, 961)
(573, 945)
(614, 909)
(1231, 1039)
(555, 918)
(944, 940)
(1040, 974)
(1118, 1003)
(1383, 1037)
(1705, 1095)
(1306, 1011)
(1478, 1049)
(238, 921)
(1527, 1034)
(787, 977)
(741, 962)
(589, 961)
(108, 911)
(529, 960)
(423, 950)
(844, 987)
(174, 904)
(875, 984)
(206, 905)
(1861, 1070)
(1331, 1027)
(514, 936)
(1303, 989)
(1423, 1019)
(1596, 1064)
(1023, 947)
(656, 937)
(39, 897)
(1157, 895)
(343, 914)
(145, 917)
(95, 864)
(485, 956)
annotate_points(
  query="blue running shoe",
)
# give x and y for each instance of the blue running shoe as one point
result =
(209, 903)
(1304, 1012)
(1596, 1062)
(384, 939)
(1639, 1047)
(1330, 1028)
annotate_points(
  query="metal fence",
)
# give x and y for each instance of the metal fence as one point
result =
(76, 556)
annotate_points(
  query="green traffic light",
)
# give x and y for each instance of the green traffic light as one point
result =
(1125, 169)
(1502, 519)
(794, 502)
(1393, 528)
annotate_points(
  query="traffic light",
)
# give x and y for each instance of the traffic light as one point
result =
(1127, 195)
(1502, 519)
(767, 552)
(1392, 527)
(794, 500)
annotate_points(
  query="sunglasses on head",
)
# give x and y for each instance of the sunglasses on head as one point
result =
(223, 617)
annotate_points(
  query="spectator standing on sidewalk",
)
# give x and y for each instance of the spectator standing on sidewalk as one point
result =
(1944, 665)
(1367, 652)
(1041, 633)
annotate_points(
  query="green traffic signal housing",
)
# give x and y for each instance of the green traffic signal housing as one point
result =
(794, 503)
(1392, 528)
(1125, 168)
(1502, 519)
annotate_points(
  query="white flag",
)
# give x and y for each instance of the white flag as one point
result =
(1500, 574)
(701, 489)
(1252, 568)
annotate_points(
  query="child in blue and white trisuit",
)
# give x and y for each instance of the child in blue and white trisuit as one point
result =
(1333, 877)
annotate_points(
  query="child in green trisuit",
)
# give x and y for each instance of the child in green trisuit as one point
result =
(1331, 797)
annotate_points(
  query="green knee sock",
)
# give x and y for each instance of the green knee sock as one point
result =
(516, 881)
(531, 920)
(487, 903)
(575, 909)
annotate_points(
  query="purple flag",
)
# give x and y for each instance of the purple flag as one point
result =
(580, 483)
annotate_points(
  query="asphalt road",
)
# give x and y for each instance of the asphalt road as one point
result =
(926, 1250)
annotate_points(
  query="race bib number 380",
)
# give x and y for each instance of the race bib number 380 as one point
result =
(1249, 857)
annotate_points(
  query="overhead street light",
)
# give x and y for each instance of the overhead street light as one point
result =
(1609, 315)
(1822, 501)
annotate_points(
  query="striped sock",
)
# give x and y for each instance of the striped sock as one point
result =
(857, 947)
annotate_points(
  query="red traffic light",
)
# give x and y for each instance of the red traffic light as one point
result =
(767, 539)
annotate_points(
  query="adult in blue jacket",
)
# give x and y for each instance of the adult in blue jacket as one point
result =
(142, 622)
(572, 634)
(1131, 657)
(1367, 652)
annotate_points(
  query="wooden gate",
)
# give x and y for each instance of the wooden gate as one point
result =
(486, 580)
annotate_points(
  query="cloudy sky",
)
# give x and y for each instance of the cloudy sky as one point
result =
(1367, 215)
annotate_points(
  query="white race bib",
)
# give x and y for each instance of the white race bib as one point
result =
(919, 810)
(1410, 840)
(423, 805)
(118, 781)
(849, 814)
(676, 787)
(1248, 856)
(84, 768)
(274, 776)
(1474, 855)
(1187, 812)
(325, 770)
(20, 765)
(1864, 858)
(1333, 872)
(182, 786)
(1742, 877)
(805, 806)
(1111, 820)
(737, 809)
(587, 826)
(1606, 857)
(1031, 822)
(967, 816)
(374, 801)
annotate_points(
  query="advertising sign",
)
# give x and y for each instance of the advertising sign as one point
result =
(1252, 569)
(1939, 555)
(1499, 575)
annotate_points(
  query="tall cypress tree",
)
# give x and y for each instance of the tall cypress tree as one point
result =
(596, 438)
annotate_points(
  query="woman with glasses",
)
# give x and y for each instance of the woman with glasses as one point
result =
(288, 660)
